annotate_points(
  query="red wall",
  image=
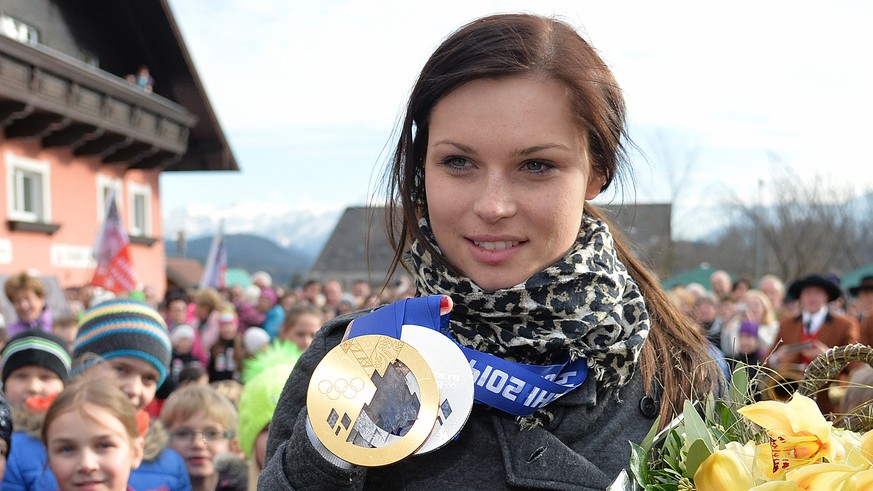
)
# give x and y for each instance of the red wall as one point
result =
(74, 206)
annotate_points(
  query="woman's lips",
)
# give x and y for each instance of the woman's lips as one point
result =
(496, 246)
(494, 252)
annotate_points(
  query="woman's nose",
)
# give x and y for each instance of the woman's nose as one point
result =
(494, 199)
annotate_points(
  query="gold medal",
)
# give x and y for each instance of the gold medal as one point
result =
(372, 400)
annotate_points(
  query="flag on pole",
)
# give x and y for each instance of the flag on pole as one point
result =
(215, 271)
(112, 251)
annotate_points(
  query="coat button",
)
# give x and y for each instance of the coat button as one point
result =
(649, 407)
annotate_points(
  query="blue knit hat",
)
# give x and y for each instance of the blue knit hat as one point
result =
(35, 347)
(125, 327)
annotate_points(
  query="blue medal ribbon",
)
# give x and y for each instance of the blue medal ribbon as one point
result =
(515, 388)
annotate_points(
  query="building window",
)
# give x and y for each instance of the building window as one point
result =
(105, 184)
(17, 30)
(140, 209)
(29, 189)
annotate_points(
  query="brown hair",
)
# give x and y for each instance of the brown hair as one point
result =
(94, 391)
(298, 311)
(193, 399)
(208, 297)
(21, 282)
(505, 45)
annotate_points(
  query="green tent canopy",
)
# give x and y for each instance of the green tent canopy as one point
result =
(853, 278)
(237, 276)
(699, 274)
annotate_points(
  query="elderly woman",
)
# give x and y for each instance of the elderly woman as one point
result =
(26, 293)
(514, 124)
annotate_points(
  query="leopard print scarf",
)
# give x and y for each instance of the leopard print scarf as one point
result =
(585, 305)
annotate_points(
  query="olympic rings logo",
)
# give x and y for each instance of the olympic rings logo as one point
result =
(340, 387)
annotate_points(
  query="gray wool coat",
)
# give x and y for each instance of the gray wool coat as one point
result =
(585, 448)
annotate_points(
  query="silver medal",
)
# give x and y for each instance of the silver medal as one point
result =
(454, 380)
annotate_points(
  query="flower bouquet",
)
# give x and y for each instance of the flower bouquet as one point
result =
(733, 443)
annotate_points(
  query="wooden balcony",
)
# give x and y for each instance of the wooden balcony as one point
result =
(64, 102)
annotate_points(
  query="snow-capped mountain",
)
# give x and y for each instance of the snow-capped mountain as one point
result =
(303, 229)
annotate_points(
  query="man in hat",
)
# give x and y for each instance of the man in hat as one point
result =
(863, 292)
(805, 336)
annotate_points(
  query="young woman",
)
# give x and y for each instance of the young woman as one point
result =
(513, 125)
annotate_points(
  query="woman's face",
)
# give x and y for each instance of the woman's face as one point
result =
(28, 305)
(755, 308)
(506, 175)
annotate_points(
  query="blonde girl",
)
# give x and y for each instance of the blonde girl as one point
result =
(92, 437)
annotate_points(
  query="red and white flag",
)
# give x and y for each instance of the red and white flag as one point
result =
(215, 270)
(112, 251)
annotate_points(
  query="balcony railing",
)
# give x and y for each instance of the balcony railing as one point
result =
(67, 103)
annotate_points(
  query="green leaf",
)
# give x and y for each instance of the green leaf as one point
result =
(739, 386)
(639, 464)
(697, 453)
(650, 436)
(672, 449)
(695, 428)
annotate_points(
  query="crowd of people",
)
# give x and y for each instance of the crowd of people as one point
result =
(784, 327)
(182, 389)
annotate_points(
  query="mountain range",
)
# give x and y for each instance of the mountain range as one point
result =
(280, 239)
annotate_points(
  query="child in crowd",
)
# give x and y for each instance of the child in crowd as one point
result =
(34, 363)
(182, 338)
(274, 314)
(92, 437)
(747, 344)
(194, 374)
(230, 389)
(225, 356)
(201, 423)
(66, 329)
(255, 339)
(176, 309)
(264, 378)
(131, 339)
(301, 324)
(5, 433)
(35, 368)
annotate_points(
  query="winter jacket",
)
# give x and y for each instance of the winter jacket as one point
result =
(584, 448)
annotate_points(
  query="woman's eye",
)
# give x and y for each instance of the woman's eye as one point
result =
(537, 166)
(455, 164)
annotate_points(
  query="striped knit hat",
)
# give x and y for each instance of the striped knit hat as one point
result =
(35, 347)
(125, 327)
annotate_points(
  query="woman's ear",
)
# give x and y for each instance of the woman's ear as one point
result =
(137, 446)
(596, 181)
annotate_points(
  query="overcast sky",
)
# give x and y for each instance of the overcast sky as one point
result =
(308, 92)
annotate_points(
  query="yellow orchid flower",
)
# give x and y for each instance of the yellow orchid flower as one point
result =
(866, 449)
(799, 434)
(824, 477)
(778, 486)
(863, 481)
(727, 469)
(853, 454)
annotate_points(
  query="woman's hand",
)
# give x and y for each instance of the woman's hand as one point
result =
(446, 306)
